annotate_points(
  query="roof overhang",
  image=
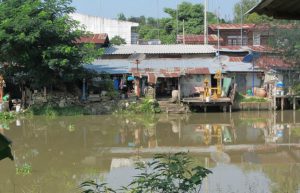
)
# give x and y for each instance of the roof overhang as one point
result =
(279, 9)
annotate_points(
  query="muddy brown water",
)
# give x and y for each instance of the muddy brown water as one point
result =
(248, 152)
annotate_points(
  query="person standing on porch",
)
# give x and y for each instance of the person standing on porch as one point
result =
(2, 85)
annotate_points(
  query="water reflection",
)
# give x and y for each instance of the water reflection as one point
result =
(248, 151)
(5, 150)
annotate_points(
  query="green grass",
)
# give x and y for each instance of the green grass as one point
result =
(249, 99)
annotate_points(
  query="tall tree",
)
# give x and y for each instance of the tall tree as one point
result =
(187, 14)
(117, 40)
(38, 41)
(121, 17)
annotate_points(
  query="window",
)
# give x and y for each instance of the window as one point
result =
(256, 39)
(236, 40)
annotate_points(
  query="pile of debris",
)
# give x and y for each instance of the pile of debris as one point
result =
(60, 99)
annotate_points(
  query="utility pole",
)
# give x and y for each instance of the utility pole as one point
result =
(241, 24)
(205, 22)
(177, 22)
(183, 39)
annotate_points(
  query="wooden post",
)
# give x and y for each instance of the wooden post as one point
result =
(179, 90)
(224, 108)
(282, 103)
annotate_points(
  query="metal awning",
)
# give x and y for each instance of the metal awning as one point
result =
(279, 9)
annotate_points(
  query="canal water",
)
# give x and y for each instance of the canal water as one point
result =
(248, 152)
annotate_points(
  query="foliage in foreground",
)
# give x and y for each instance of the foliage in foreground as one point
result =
(7, 116)
(167, 173)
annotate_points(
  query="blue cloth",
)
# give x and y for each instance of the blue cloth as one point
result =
(116, 84)
(130, 78)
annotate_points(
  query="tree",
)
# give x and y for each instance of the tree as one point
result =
(242, 7)
(286, 40)
(38, 42)
(191, 14)
(167, 173)
(165, 29)
(117, 40)
(121, 17)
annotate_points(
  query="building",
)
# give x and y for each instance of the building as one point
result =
(242, 34)
(100, 40)
(198, 39)
(112, 27)
(279, 9)
(176, 67)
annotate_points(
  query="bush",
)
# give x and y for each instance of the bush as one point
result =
(296, 89)
(241, 98)
(168, 173)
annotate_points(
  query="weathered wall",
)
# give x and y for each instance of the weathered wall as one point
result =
(188, 82)
(112, 27)
(244, 81)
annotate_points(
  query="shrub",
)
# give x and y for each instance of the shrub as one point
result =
(168, 173)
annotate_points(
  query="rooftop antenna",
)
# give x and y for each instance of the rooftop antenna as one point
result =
(137, 58)
(205, 22)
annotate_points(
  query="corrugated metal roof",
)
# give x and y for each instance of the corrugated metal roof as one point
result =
(234, 26)
(94, 38)
(245, 48)
(170, 67)
(234, 48)
(280, 9)
(198, 39)
(236, 59)
(160, 49)
(269, 62)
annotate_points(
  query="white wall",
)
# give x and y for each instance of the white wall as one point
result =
(112, 27)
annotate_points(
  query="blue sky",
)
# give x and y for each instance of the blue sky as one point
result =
(153, 8)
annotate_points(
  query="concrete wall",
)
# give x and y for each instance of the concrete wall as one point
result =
(188, 82)
(244, 81)
(112, 27)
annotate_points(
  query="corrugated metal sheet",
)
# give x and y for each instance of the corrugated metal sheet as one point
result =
(235, 59)
(244, 48)
(160, 49)
(215, 27)
(198, 39)
(280, 9)
(197, 71)
(269, 62)
(169, 67)
(94, 38)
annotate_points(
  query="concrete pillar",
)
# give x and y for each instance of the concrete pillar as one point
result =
(294, 103)
(83, 89)
(282, 103)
